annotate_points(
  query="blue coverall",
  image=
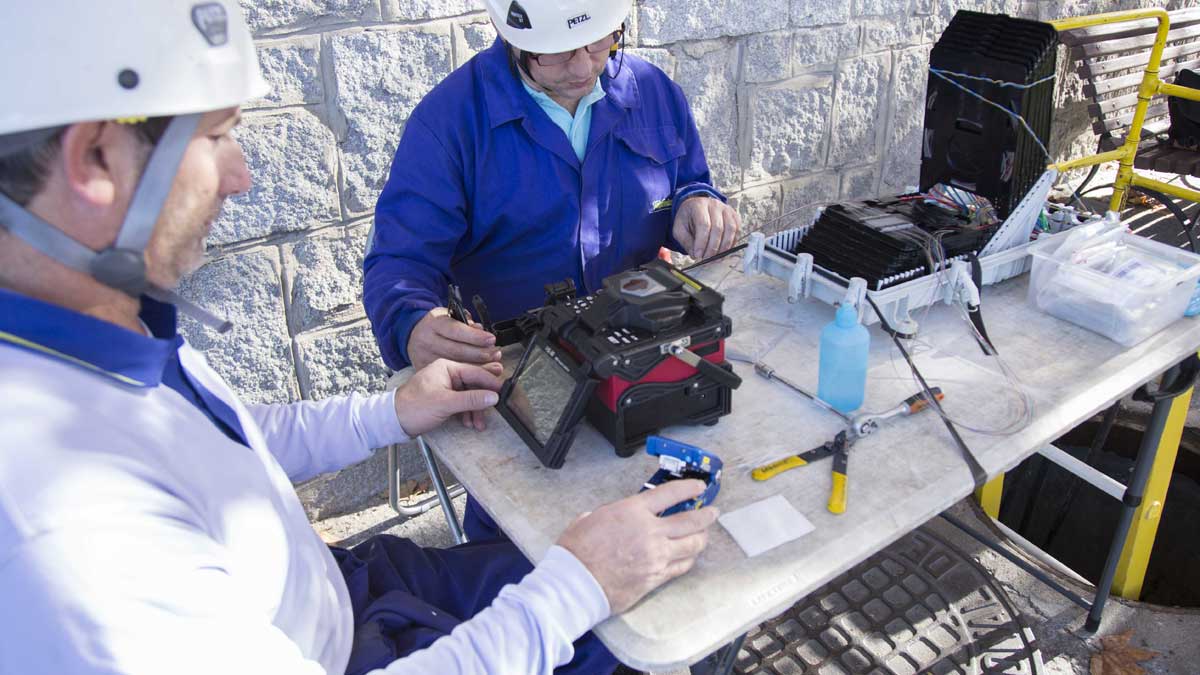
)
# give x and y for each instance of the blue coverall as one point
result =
(486, 191)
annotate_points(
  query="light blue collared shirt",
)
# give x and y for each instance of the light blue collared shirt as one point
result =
(576, 128)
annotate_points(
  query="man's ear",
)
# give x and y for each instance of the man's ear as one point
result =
(95, 159)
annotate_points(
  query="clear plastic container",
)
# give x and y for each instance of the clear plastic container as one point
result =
(1118, 284)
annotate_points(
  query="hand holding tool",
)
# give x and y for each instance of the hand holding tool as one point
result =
(454, 304)
(679, 460)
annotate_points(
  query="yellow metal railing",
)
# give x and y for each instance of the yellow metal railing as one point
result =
(1135, 556)
(1151, 86)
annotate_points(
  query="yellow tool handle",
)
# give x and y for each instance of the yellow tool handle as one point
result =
(777, 467)
(837, 496)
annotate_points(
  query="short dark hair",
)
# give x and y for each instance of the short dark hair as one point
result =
(23, 173)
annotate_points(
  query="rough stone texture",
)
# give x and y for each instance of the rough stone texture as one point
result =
(860, 183)
(265, 16)
(659, 57)
(381, 76)
(819, 12)
(666, 21)
(820, 48)
(884, 34)
(879, 7)
(759, 207)
(790, 124)
(293, 70)
(341, 362)
(293, 164)
(255, 357)
(416, 10)
(325, 277)
(803, 196)
(706, 72)
(765, 57)
(858, 108)
(472, 38)
(350, 489)
(902, 160)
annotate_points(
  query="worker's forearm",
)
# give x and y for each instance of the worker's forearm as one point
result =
(312, 437)
(528, 628)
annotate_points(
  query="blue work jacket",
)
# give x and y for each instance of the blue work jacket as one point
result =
(486, 191)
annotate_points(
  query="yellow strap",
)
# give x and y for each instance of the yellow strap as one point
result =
(779, 466)
(9, 337)
(837, 497)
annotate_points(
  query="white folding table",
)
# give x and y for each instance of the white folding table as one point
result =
(901, 476)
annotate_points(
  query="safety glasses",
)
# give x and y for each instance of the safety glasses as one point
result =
(604, 44)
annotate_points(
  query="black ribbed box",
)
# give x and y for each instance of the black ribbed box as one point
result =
(975, 146)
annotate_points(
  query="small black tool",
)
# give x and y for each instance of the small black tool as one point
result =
(481, 311)
(454, 304)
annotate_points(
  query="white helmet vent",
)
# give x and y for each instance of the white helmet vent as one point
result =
(517, 17)
(212, 22)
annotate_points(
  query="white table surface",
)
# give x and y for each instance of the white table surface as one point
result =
(900, 477)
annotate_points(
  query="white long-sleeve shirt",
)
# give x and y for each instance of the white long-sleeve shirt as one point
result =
(136, 537)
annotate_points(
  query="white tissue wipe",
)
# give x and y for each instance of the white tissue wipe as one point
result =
(765, 524)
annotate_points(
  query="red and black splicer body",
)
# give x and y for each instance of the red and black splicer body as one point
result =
(645, 352)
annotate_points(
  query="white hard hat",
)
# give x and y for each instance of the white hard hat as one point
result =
(69, 61)
(550, 26)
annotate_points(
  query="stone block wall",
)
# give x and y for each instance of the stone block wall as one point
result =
(798, 102)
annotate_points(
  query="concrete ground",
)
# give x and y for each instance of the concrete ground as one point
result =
(1047, 628)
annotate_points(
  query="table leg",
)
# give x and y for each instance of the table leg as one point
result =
(412, 509)
(989, 496)
(439, 486)
(1135, 556)
(727, 657)
(1130, 503)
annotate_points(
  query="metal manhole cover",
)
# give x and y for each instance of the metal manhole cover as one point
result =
(918, 606)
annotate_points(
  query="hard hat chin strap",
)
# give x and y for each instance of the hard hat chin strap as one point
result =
(123, 265)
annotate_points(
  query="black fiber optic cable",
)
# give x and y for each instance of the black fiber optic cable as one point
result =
(714, 258)
(977, 472)
(976, 313)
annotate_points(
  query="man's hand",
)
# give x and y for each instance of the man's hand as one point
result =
(438, 336)
(630, 550)
(705, 226)
(444, 389)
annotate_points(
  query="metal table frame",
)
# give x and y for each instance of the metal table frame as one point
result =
(1129, 550)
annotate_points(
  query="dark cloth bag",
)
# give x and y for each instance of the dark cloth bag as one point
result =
(1185, 115)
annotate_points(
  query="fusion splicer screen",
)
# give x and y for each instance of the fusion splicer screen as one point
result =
(541, 393)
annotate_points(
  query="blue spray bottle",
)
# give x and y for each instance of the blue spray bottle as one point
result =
(842, 378)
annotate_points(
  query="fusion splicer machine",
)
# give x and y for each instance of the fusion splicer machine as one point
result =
(645, 352)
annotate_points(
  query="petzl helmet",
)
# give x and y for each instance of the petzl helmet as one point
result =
(120, 60)
(550, 26)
